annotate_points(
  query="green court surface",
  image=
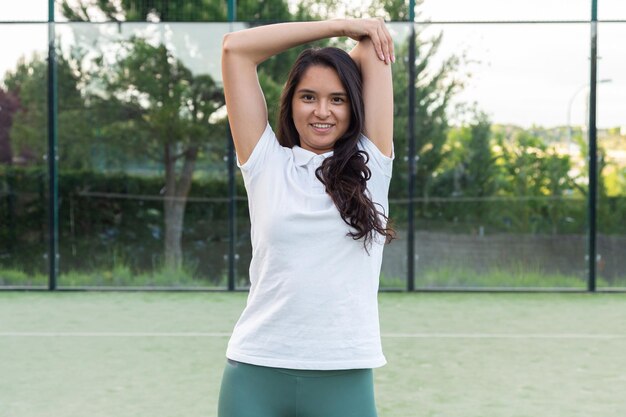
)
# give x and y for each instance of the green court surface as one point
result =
(108, 354)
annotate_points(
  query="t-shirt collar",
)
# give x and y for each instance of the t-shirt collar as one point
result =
(303, 156)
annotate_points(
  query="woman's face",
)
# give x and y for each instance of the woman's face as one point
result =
(321, 110)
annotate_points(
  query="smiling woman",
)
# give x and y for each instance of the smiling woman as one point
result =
(320, 109)
(318, 200)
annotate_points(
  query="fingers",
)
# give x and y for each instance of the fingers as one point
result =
(383, 43)
(378, 46)
(376, 30)
(390, 45)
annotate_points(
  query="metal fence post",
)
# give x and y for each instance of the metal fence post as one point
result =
(232, 189)
(53, 186)
(232, 211)
(593, 151)
(411, 161)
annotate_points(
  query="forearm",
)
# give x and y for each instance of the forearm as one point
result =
(260, 43)
(377, 95)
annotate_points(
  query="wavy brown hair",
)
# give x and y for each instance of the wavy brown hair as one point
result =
(345, 173)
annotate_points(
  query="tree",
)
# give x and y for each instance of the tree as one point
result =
(172, 11)
(142, 10)
(9, 104)
(434, 89)
(397, 10)
(470, 168)
(29, 130)
(163, 113)
(479, 166)
(537, 174)
(434, 86)
(29, 82)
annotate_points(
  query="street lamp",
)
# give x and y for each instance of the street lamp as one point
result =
(569, 111)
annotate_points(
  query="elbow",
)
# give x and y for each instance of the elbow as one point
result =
(226, 43)
(237, 47)
(230, 43)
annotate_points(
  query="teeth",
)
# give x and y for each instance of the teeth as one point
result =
(321, 126)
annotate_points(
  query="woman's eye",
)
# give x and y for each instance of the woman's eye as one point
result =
(338, 100)
(307, 97)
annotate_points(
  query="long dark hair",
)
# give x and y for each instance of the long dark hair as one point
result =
(345, 173)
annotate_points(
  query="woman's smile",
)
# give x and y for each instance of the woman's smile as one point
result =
(322, 128)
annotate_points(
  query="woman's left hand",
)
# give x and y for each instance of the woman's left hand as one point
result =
(376, 30)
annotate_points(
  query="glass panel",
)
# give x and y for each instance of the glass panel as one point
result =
(501, 243)
(458, 10)
(611, 121)
(25, 10)
(23, 166)
(393, 274)
(394, 267)
(145, 11)
(611, 10)
(499, 189)
(515, 219)
(33, 40)
(142, 141)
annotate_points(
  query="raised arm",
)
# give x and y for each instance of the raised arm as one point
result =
(244, 50)
(377, 93)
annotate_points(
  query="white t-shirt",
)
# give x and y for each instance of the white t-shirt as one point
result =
(313, 296)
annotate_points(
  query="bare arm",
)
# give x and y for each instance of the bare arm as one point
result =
(243, 51)
(377, 95)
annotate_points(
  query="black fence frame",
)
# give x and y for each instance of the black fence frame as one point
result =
(52, 159)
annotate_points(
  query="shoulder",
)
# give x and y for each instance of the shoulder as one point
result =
(267, 149)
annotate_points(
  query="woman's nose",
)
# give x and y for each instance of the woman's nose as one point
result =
(322, 110)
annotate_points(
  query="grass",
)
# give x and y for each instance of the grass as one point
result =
(442, 277)
(470, 355)
(120, 276)
(450, 277)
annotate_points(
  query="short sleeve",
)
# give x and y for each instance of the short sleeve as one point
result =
(378, 160)
(266, 149)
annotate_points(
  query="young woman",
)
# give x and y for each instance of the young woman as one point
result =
(307, 341)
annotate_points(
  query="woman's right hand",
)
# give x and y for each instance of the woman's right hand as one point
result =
(374, 29)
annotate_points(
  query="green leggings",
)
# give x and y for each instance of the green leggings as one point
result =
(259, 391)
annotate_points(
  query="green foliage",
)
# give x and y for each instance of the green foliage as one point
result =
(123, 276)
(111, 219)
(513, 276)
(615, 181)
(448, 277)
(29, 133)
(434, 88)
(146, 109)
(9, 104)
(114, 222)
(150, 98)
(217, 10)
(120, 275)
(531, 169)
(510, 277)
(173, 11)
(141, 10)
(390, 10)
(396, 10)
(15, 277)
(469, 170)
